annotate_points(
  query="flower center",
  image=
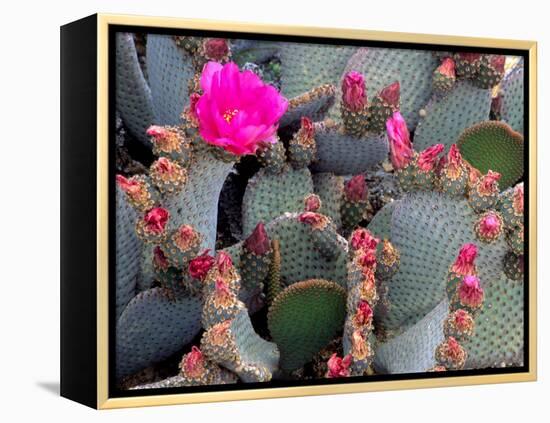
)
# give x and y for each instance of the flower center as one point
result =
(229, 114)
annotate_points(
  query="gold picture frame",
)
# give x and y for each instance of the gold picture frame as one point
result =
(103, 399)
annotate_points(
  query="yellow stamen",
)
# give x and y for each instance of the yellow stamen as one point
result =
(229, 115)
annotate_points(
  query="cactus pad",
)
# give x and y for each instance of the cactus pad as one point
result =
(511, 91)
(304, 318)
(494, 146)
(329, 188)
(445, 118)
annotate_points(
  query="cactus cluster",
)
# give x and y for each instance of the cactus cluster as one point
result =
(324, 272)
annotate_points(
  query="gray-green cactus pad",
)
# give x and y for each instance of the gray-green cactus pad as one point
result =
(268, 195)
(412, 68)
(413, 350)
(299, 258)
(380, 225)
(329, 188)
(305, 66)
(169, 69)
(197, 203)
(133, 96)
(345, 155)
(429, 228)
(153, 327)
(511, 90)
(128, 253)
(498, 338)
(446, 118)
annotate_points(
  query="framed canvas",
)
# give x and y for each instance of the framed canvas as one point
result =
(255, 211)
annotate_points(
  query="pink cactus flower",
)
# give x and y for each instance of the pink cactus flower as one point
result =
(163, 166)
(338, 367)
(363, 315)
(354, 93)
(469, 292)
(223, 262)
(355, 189)
(490, 225)
(156, 131)
(453, 351)
(186, 237)
(465, 262)
(362, 239)
(454, 163)
(307, 128)
(401, 151)
(463, 320)
(517, 202)
(216, 48)
(193, 363)
(258, 241)
(159, 258)
(156, 219)
(312, 203)
(200, 266)
(391, 94)
(237, 110)
(428, 158)
(447, 67)
(488, 184)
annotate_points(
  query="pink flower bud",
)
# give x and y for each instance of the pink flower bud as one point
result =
(469, 292)
(366, 259)
(216, 48)
(223, 262)
(156, 131)
(338, 367)
(163, 166)
(465, 262)
(307, 128)
(312, 203)
(132, 187)
(489, 225)
(192, 111)
(222, 288)
(362, 239)
(488, 184)
(497, 62)
(186, 237)
(390, 94)
(201, 265)
(463, 321)
(401, 152)
(517, 202)
(159, 258)
(354, 95)
(453, 351)
(192, 364)
(355, 189)
(447, 67)
(428, 158)
(313, 219)
(363, 315)
(258, 241)
(156, 219)
(469, 57)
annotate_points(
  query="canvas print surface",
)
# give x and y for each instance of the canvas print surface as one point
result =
(291, 211)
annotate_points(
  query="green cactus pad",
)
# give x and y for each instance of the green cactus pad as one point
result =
(128, 253)
(329, 188)
(154, 326)
(413, 350)
(445, 118)
(428, 229)
(197, 203)
(344, 155)
(412, 68)
(511, 92)
(133, 96)
(268, 196)
(313, 104)
(170, 69)
(498, 337)
(252, 51)
(304, 318)
(305, 66)
(494, 146)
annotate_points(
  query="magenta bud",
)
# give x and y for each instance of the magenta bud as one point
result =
(258, 242)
